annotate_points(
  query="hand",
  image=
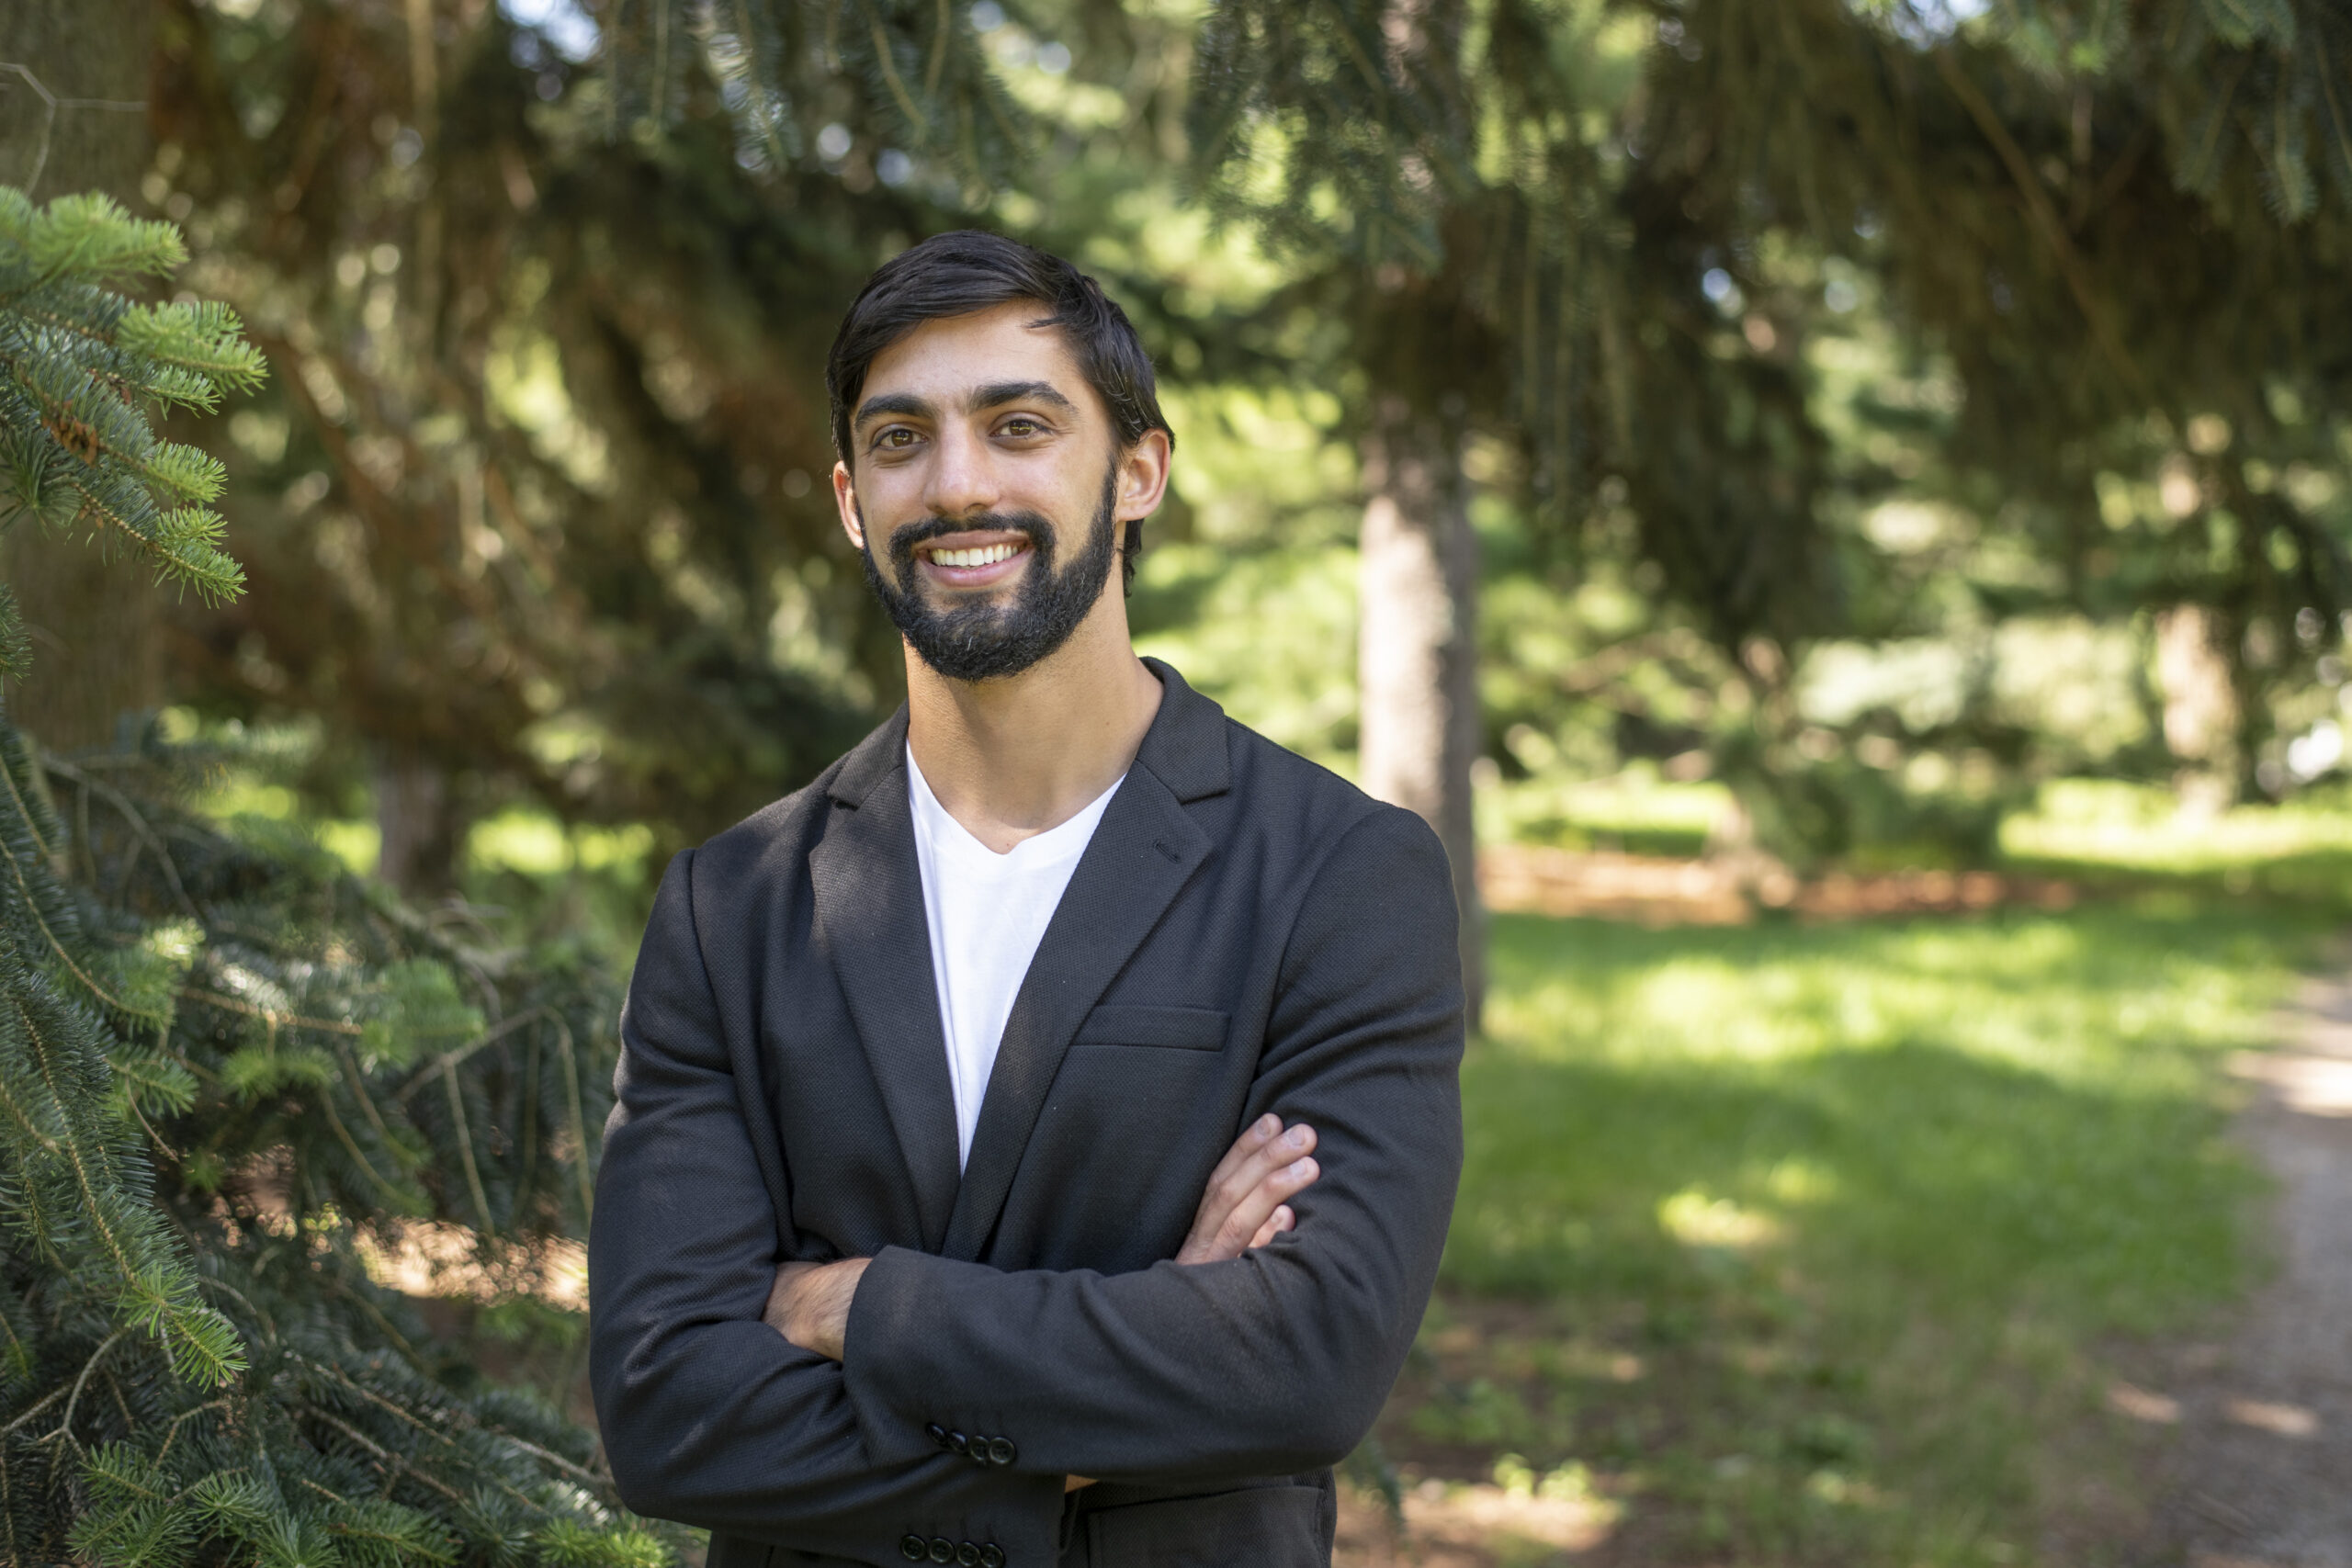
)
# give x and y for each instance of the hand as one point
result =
(1243, 1206)
(809, 1303)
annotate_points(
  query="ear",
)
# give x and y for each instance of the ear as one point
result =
(845, 503)
(1143, 477)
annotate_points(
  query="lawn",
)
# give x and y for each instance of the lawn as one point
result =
(1817, 1244)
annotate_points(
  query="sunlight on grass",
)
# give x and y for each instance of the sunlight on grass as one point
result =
(1636, 809)
(2056, 1071)
(2139, 827)
(1865, 1202)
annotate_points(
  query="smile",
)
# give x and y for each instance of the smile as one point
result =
(985, 555)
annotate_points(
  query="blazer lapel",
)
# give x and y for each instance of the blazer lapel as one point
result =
(1144, 850)
(870, 923)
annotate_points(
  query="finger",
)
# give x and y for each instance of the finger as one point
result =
(1223, 1230)
(1231, 1191)
(1259, 1205)
(1262, 1146)
(1253, 1138)
(1281, 1220)
(1236, 1202)
(1241, 1189)
(1260, 1162)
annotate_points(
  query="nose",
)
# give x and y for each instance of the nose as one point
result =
(961, 477)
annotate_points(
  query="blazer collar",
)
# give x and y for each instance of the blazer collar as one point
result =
(1185, 745)
(870, 920)
(870, 923)
(870, 762)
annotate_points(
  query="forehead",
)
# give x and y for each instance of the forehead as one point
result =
(945, 358)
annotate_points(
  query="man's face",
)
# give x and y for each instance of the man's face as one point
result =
(985, 487)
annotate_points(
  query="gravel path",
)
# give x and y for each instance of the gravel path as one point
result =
(2261, 1476)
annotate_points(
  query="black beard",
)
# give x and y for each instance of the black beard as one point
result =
(984, 641)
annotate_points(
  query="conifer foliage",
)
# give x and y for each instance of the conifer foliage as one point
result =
(228, 1071)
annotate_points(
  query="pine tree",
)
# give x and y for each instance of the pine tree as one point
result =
(542, 458)
(228, 1071)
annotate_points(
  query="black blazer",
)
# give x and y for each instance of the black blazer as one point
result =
(1246, 932)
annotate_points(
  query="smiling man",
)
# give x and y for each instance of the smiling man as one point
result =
(1035, 1138)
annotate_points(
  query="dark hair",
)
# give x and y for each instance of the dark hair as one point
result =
(969, 270)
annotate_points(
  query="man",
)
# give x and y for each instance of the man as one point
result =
(958, 1205)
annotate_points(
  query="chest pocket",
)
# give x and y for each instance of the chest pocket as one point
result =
(1181, 1029)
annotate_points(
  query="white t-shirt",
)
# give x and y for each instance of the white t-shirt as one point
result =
(987, 914)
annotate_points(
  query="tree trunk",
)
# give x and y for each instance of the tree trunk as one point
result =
(95, 620)
(2202, 721)
(1417, 648)
(422, 828)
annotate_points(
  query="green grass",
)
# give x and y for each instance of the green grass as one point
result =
(2102, 831)
(1809, 1240)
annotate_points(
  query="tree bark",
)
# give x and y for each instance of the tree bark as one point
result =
(2203, 717)
(95, 620)
(421, 825)
(1417, 658)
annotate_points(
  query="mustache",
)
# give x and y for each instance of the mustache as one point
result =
(908, 537)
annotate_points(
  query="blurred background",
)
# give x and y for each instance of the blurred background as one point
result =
(1836, 509)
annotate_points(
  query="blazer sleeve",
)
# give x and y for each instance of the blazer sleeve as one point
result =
(711, 1418)
(1277, 1361)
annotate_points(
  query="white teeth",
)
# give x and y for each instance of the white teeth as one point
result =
(988, 555)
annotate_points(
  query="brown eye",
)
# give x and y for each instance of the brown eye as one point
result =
(1022, 427)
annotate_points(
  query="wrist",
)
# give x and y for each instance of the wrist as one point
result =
(836, 1288)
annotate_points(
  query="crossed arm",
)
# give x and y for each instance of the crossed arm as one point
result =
(1244, 1205)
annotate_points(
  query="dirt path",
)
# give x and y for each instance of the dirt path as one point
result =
(2261, 1476)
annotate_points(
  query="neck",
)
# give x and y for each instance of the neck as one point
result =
(1014, 756)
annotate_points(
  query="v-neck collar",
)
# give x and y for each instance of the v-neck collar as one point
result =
(1065, 840)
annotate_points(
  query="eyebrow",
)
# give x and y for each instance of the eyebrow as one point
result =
(998, 393)
(995, 394)
(905, 403)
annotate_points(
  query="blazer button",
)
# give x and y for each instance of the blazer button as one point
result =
(1002, 1451)
(991, 1555)
(938, 1435)
(941, 1550)
(914, 1549)
(968, 1556)
(959, 1443)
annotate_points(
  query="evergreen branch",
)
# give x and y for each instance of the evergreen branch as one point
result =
(274, 1020)
(32, 908)
(546, 1456)
(466, 1147)
(131, 814)
(449, 1059)
(65, 1421)
(90, 234)
(326, 1103)
(579, 1119)
(204, 339)
(2047, 222)
(916, 120)
(52, 1397)
(359, 1092)
(391, 1461)
(172, 1432)
(2339, 128)
(939, 33)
